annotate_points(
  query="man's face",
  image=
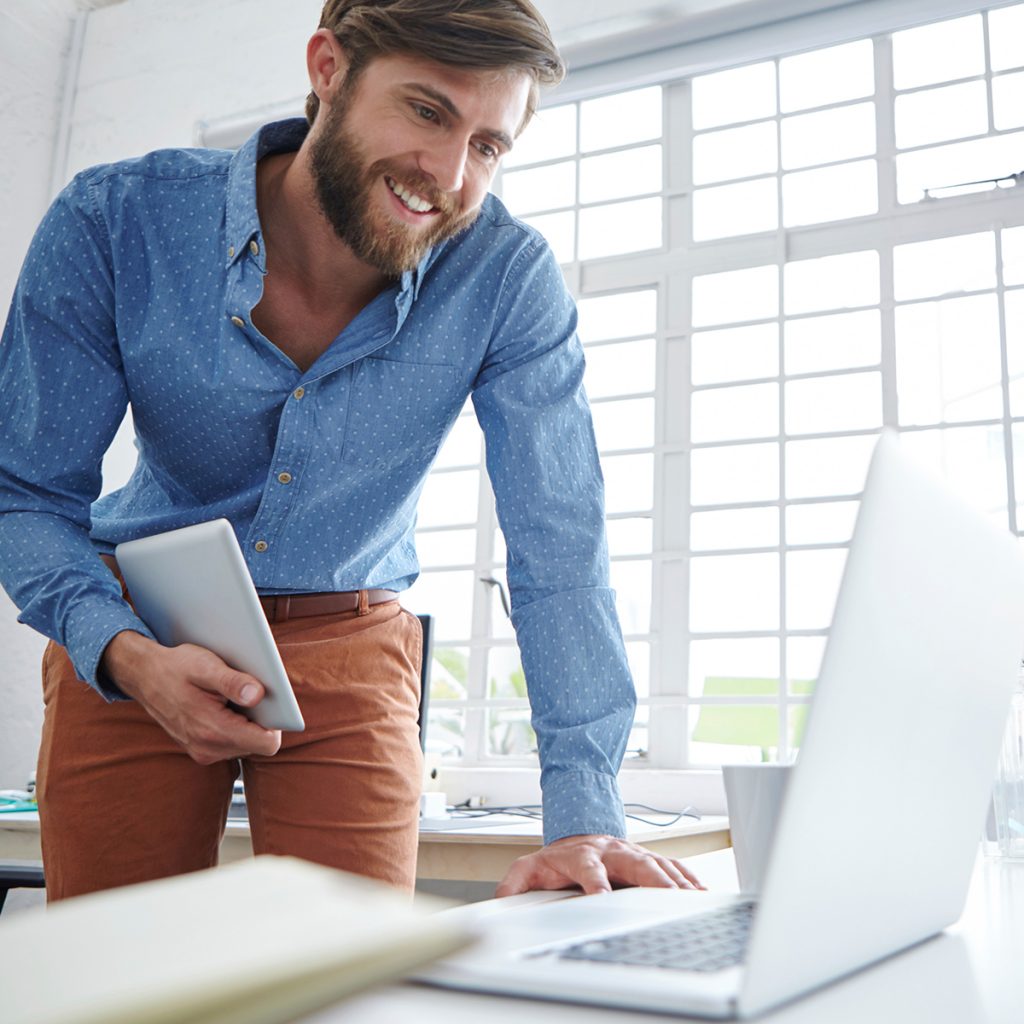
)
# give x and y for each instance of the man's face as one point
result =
(403, 158)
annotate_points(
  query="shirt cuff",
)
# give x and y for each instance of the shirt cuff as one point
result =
(86, 637)
(578, 803)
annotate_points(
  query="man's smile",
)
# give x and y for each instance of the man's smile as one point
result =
(412, 201)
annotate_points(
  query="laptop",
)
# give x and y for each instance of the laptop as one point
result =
(878, 833)
(192, 586)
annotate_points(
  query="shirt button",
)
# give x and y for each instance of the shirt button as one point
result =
(284, 478)
(238, 321)
(254, 247)
(231, 251)
(261, 546)
(298, 393)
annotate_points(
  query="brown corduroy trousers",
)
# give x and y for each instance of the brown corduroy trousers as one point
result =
(121, 802)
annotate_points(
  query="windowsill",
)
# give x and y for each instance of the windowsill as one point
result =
(665, 789)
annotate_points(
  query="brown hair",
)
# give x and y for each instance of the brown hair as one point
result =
(499, 34)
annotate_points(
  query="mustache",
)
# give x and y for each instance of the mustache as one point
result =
(414, 181)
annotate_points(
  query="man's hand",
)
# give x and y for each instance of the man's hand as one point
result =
(596, 864)
(186, 690)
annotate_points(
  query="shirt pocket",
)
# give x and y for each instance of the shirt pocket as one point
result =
(399, 411)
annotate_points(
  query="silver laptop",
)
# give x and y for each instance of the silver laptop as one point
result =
(879, 829)
(192, 586)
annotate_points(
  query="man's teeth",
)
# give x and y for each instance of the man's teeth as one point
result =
(415, 203)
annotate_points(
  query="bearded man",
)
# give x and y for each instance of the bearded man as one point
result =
(296, 327)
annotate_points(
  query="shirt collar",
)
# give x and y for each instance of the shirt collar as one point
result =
(242, 219)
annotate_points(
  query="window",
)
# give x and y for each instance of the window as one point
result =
(771, 262)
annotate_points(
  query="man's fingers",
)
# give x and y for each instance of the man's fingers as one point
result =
(213, 675)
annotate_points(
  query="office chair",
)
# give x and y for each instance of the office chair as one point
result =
(19, 874)
(427, 623)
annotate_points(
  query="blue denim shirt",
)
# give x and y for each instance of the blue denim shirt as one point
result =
(139, 286)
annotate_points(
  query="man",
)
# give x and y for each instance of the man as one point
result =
(296, 327)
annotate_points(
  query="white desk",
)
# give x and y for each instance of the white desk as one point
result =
(476, 854)
(972, 974)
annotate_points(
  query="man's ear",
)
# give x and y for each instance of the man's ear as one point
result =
(326, 62)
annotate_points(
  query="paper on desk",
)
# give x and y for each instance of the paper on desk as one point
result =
(256, 942)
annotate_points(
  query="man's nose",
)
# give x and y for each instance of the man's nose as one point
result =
(445, 162)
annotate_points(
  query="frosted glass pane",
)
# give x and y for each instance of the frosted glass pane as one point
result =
(736, 153)
(735, 353)
(741, 209)
(944, 265)
(812, 584)
(734, 473)
(747, 658)
(1015, 353)
(803, 659)
(628, 482)
(730, 414)
(833, 342)
(446, 729)
(462, 446)
(632, 172)
(551, 134)
(1006, 37)
(735, 296)
(628, 424)
(935, 115)
(446, 547)
(827, 76)
(560, 231)
(938, 53)
(831, 193)
(630, 536)
(827, 522)
(638, 655)
(739, 94)
(622, 315)
(852, 401)
(632, 584)
(1018, 472)
(1008, 101)
(1013, 255)
(620, 369)
(448, 596)
(827, 466)
(620, 119)
(945, 166)
(619, 228)
(543, 188)
(734, 592)
(832, 282)
(972, 461)
(449, 498)
(828, 136)
(734, 528)
(947, 361)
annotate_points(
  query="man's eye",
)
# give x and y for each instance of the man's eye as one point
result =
(425, 112)
(487, 150)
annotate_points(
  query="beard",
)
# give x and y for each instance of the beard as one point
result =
(344, 181)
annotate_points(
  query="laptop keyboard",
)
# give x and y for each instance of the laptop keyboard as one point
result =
(704, 942)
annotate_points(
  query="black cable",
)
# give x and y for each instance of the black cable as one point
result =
(533, 811)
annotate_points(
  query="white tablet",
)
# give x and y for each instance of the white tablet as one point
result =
(193, 586)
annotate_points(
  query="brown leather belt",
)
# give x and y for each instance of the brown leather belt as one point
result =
(282, 607)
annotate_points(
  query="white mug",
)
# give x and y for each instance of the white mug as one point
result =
(754, 795)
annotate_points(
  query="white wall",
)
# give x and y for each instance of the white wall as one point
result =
(35, 37)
